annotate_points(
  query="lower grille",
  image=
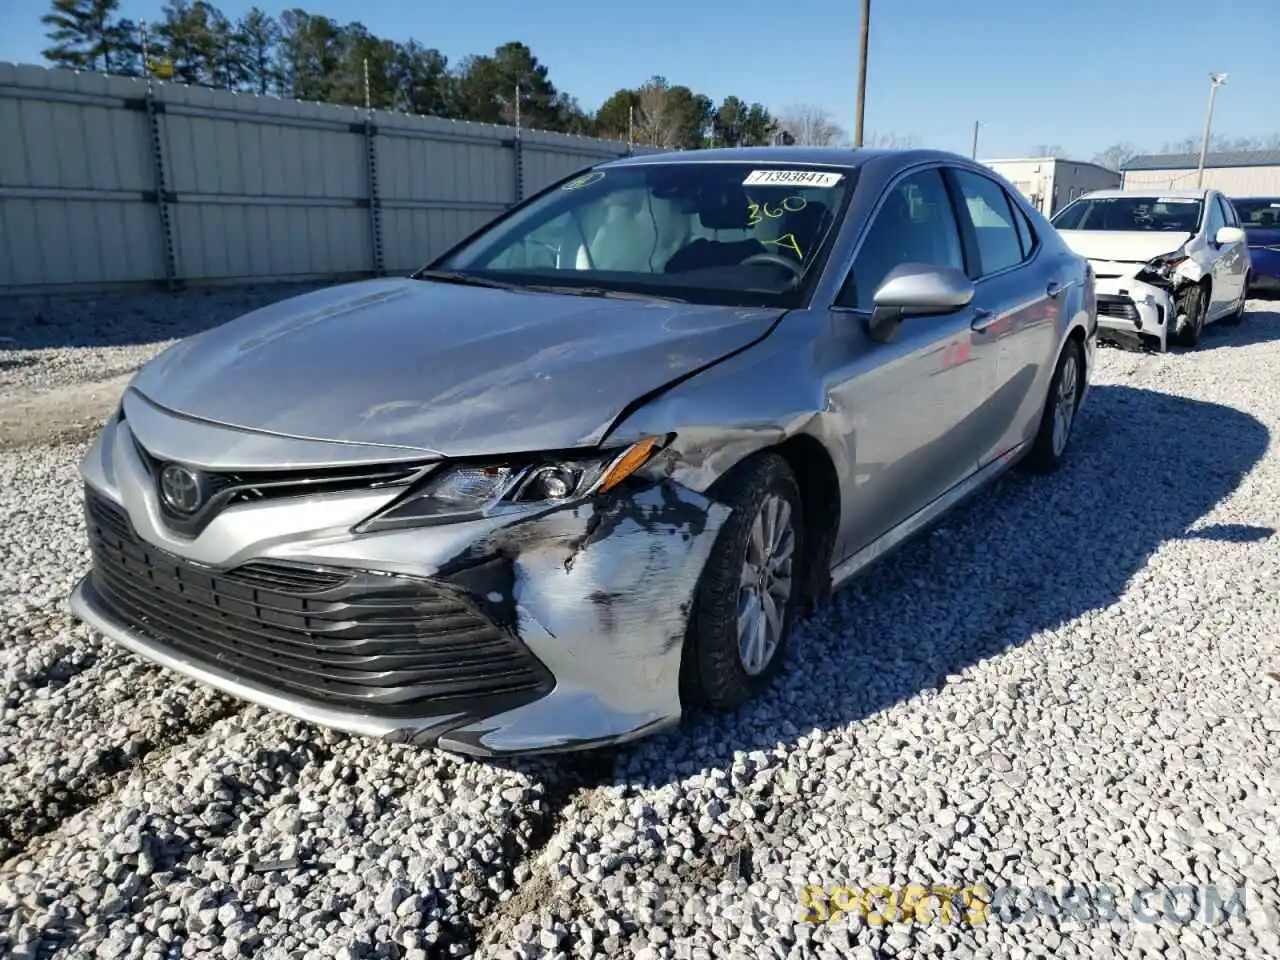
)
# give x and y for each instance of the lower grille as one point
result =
(1120, 308)
(391, 646)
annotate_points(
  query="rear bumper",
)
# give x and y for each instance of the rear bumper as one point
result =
(1265, 284)
(1264, 266)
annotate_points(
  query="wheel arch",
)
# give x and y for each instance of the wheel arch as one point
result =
(815, 472)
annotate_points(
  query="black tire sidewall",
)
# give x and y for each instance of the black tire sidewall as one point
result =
(712, 674)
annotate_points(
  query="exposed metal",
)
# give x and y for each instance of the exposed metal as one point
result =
(304, 423)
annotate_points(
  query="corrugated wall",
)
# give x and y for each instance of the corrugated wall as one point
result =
(1233, 181)
(101, 184)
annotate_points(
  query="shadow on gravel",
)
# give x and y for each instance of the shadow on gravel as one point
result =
(133, 318)
(1232, 533)
(1027, 556)
(1260, 325)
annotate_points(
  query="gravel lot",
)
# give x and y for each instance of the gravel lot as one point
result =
(1076, 681)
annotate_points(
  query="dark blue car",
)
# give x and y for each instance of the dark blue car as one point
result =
(1260, 217)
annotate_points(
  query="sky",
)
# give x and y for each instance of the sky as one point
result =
(1080, 74)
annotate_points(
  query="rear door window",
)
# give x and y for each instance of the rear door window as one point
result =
(999, 244)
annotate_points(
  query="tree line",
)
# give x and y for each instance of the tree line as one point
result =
(306, 56)
(1118, 154)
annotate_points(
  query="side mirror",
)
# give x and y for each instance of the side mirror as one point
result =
(1226, 235)
(916, 289)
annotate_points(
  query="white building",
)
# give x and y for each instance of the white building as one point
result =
(1050, 183)
(1252, 173)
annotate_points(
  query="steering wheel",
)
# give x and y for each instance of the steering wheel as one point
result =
(777, 260)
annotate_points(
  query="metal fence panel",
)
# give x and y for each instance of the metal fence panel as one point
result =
(109, 180)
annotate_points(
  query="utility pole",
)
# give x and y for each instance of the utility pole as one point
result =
(976, 124)
(631, 128)
(517, 109)
(367, 108)
(862, 73)
(1216, 80)
(146, 55)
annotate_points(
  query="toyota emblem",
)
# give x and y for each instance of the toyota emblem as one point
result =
(181, 489)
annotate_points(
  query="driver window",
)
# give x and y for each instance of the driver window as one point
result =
(915, 224)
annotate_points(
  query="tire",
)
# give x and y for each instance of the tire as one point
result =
(1236, 316)
(1193, 303)
(714, 669)
(1046, 456)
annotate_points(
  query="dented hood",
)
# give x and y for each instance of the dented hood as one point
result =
(443, 368)
(1123, 246)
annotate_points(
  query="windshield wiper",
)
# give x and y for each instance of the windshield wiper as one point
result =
(467, 279)
(603, 293)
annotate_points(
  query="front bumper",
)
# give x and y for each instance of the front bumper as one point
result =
(571, 622)
(1133, 312)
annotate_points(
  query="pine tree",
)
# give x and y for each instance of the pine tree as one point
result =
(83, 34)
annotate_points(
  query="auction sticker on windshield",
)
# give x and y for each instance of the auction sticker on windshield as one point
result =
(792, 178)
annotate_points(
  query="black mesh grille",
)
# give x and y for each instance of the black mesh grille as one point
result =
(388, 645)
(1117, 307)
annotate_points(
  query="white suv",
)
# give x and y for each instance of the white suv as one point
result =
(1165, 263)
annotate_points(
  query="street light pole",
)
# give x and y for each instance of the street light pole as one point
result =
(862, 72)
(976, 124)
(1217, 80)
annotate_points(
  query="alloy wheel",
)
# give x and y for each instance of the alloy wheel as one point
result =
(764, 591)
(1064, 408)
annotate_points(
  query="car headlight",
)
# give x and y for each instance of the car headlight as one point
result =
(469, 491)
(1165, 264)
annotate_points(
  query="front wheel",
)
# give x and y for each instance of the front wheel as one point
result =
(749, 591)
(1049, 448)
(1193, 304)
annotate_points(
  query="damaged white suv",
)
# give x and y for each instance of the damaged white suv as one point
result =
(1165, 264)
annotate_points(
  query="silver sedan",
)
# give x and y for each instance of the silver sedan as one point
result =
(588, 466)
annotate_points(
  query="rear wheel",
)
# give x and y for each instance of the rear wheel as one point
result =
(746, 600)
(1193, 304)
(1049, 448)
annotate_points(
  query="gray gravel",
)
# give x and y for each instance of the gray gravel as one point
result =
(1076, 680)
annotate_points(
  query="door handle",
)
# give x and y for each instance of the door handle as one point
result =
(1053, 289)
(982, 318)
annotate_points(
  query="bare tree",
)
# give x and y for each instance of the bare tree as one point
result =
(891, 141)
(1048, 150)
(811, 126)
(1116, 155)
(1220, 144)
(655, 120)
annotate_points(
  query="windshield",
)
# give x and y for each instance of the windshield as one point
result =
(1259, 213)
(727, 233)
(1176, 214)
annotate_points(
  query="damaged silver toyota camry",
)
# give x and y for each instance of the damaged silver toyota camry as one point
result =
(588, 466)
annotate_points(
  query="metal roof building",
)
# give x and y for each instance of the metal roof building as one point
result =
(1249, 173)
(1050, 183)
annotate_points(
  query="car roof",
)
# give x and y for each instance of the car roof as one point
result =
(846, 157)
(1198, 193)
